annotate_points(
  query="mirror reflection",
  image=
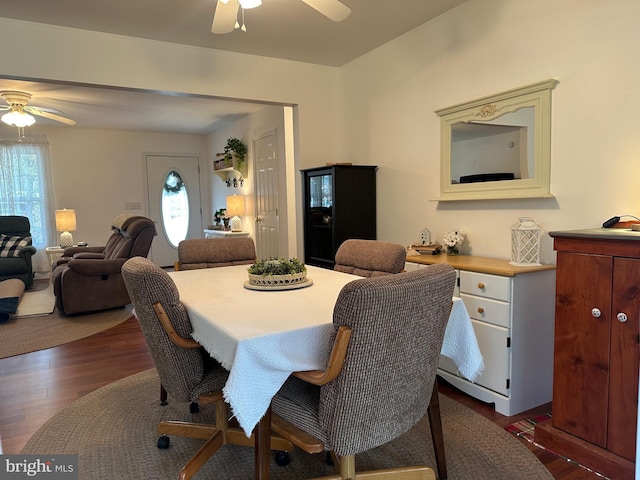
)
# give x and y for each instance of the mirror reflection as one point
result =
(501, 149)
(498, 146)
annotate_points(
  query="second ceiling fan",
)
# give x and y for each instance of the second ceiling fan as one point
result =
(225, 19)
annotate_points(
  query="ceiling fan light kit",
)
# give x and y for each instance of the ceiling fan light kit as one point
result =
(225, 18)
(18, 118)
(19, 113)
(247, 4)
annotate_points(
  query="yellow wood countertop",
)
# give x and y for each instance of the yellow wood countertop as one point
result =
(494, 266)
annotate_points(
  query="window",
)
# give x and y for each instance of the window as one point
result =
(175, 208)
(25, 186)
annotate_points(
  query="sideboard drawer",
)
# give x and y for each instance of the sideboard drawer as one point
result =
(485, 285)
(487, 310)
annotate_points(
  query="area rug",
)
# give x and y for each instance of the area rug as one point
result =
(113, 430)
(37, 301)
(38, 332)
(525, 429)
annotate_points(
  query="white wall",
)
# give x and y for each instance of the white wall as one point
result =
(96, 172)
(388, 98)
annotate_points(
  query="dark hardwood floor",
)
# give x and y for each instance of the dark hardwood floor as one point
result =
(36, 386)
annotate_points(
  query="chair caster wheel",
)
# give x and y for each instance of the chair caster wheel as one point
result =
(283, 459)
(163, 442)
(164, 402)
(193, 407)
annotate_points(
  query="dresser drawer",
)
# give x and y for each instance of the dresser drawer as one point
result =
(485, 285)
(487, 309)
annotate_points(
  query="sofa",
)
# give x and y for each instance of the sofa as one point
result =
(88, 279)
(16, 249)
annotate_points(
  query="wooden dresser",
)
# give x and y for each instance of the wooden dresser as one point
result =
(595, 386)
(511, 308)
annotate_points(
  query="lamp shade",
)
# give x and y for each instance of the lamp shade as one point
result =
(65, 220)
(235, 205)
(235, 209)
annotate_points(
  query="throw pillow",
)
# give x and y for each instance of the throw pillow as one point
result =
(10, 246)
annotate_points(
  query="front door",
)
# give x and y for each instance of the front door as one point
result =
(173, 187)
(267, 231)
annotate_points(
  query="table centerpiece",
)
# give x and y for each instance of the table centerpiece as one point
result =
(277, 273)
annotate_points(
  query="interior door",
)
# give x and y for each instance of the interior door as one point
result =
(173, 187)
(267, 229)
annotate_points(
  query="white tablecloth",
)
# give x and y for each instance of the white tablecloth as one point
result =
(263, 336)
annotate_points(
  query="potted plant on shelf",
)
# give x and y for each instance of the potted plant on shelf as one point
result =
(237, 148)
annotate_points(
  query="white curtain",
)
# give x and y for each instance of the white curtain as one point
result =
(26, 189)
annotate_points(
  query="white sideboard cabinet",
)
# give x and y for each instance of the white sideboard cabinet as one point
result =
(512, 311)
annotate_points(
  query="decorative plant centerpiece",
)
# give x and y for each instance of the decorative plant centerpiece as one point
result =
(234, 146)
(276, 272)
(452, 241)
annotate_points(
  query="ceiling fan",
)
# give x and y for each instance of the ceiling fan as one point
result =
(19, 114)
(225, 19)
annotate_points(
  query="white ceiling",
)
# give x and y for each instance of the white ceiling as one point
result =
(287, 29)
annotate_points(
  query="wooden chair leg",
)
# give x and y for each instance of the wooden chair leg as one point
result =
(436, 432)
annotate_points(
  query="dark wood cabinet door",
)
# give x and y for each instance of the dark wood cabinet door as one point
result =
(581, 345)
(624, 358)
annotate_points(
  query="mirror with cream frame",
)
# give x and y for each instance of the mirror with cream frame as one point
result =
(498, 146)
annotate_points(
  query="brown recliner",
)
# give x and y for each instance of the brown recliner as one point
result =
(88, 279)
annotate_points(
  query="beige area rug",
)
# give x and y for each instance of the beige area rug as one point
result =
(113, 430)
(40, 331)
(37, 301)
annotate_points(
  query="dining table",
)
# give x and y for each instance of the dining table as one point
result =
(262, 335)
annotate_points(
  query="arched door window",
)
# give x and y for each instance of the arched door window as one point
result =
(175, 208)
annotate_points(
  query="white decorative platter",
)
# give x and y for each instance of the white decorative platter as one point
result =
(307, 283)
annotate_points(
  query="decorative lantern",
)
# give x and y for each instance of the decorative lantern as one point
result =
(525, 242)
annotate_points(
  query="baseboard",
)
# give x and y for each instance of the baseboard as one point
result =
(583, 452)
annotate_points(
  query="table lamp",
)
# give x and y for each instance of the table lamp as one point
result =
(66, 223)
(235, 209)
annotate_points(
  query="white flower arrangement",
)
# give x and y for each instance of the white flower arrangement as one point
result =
(453, 239)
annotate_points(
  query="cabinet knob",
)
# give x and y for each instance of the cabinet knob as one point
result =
(622, 317)
(596, 312)
(480, 310)
(480, 285)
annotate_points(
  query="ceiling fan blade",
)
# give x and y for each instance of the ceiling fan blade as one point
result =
(225, 16)
(52, 116)
(334, 9)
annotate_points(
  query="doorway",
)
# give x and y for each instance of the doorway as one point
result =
(267, 196)
(173, 189)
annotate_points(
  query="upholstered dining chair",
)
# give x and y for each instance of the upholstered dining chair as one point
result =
(370, 258)
(385, 384)
(215, 252)
(186, 371)
(374, 258)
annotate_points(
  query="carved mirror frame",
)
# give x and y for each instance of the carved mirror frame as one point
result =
(486, 109)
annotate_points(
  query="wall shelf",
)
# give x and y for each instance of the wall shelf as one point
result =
(230, 170)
